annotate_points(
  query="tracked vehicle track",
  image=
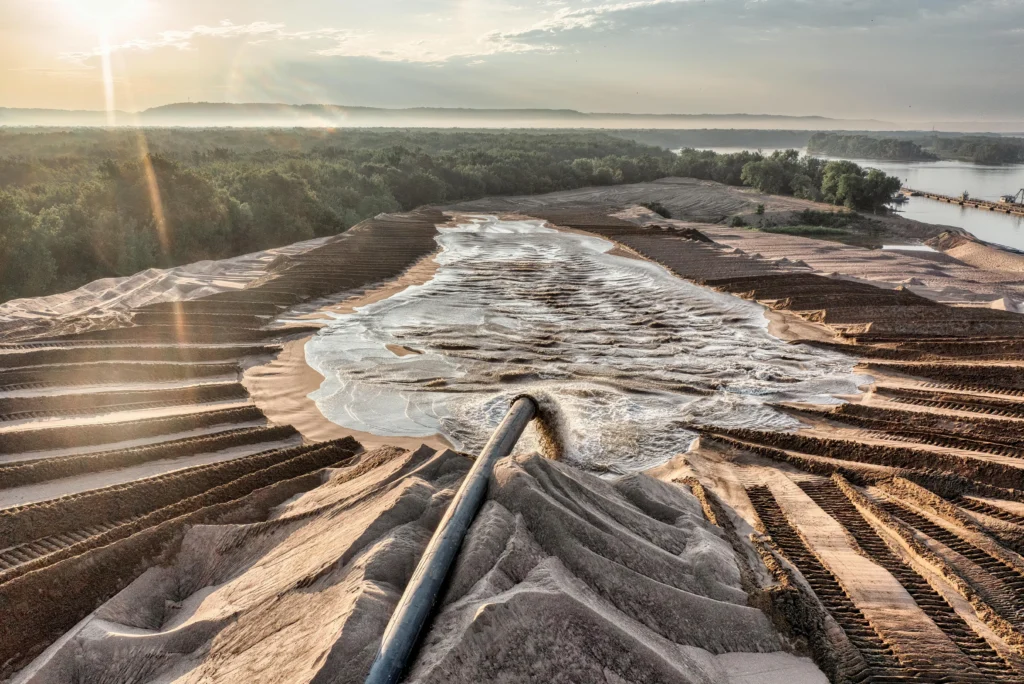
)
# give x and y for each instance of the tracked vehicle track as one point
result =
(35, 439)
(46, 532)
(110, 372)
(883, 666)
(991, 667)
(1002, 583)
(989, 510)
(989, 406)
(20, 473)
(18, 408)
(32, 551)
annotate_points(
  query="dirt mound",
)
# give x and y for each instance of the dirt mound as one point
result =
(968, 250)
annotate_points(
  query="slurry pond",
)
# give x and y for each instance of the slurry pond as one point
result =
(630, 354)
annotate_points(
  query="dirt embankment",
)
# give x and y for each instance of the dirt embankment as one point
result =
(978, 254)
(699, 201)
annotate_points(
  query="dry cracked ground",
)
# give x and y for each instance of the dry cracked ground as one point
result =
(163, 521)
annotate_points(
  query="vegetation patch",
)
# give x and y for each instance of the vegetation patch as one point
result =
(980, 149)
(840, 226)
(82, 204)
(804, 230)
(841, 183)
(868, 147)
(658, 208)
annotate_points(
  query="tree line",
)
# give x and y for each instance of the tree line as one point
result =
(980, 149)
(81, 204)
(867, 147)
(785, 172)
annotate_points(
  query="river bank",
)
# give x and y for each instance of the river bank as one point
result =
(949, 177)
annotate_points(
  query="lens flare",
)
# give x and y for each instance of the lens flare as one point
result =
(108, 81)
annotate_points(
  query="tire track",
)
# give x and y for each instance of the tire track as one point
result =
(1002, 584)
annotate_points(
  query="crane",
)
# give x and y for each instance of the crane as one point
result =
(1013, 199)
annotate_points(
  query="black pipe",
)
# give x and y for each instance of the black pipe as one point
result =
(403, 630)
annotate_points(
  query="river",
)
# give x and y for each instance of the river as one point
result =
(630, 354)
(952, 178)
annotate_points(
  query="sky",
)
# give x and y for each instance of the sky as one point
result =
(896, 60)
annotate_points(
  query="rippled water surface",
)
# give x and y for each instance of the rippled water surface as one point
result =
(629, 353)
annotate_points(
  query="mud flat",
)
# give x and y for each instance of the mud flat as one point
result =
(876, 539)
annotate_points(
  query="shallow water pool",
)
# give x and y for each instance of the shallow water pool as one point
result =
(629, 353)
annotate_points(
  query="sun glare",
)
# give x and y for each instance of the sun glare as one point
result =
(105, 16)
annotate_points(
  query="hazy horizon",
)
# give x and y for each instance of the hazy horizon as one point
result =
(310, 115)
(910, 62)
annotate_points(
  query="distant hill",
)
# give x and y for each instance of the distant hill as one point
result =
(267, 114)
(217, 114)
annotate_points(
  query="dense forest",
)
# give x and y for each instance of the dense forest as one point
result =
(980, 150)
(987, 149)
(82, 204)
(867, 147)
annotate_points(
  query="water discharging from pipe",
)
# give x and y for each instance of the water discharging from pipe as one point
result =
(627, 351)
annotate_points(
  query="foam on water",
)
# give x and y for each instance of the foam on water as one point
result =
(628, 352)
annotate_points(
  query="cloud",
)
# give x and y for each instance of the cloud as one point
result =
(344, 43)
(831, 56)
(257, 32)
(568, 26)
(435, 51)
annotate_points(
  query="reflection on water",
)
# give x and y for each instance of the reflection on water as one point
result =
(953, 177)
(1000, 229)
(629, 352)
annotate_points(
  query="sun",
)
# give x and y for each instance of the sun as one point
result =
(104, 16)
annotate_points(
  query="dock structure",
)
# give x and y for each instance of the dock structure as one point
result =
(1012, 208)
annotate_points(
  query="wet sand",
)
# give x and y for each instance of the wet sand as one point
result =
(282, 387)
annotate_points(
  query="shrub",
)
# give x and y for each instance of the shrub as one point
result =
(657, 208)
